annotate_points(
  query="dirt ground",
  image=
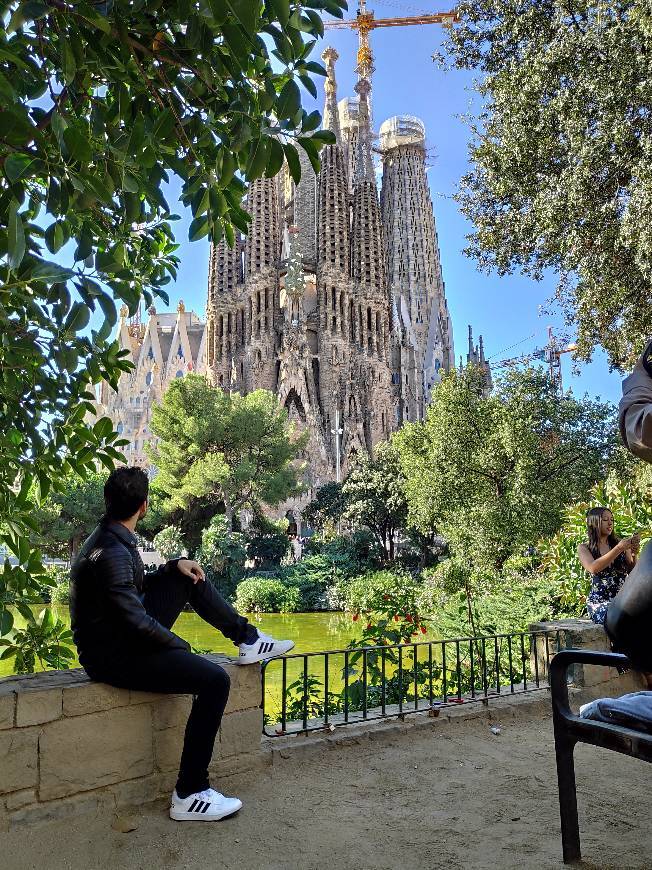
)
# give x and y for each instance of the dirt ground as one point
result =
(449, 796)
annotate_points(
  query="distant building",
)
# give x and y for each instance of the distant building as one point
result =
(334, 301)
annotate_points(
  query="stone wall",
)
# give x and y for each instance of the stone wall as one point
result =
(68, 745)
(600, 682)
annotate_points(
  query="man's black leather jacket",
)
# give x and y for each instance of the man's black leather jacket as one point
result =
(109, 621)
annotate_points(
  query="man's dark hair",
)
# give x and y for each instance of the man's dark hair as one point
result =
(124, 492)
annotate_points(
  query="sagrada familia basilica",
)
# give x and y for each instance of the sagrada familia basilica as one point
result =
(334, 301)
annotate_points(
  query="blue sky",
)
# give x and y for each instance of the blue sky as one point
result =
(504, 310)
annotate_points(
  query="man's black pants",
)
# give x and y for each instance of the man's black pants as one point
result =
(176, 671)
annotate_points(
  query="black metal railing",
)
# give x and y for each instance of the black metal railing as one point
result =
(323, 690)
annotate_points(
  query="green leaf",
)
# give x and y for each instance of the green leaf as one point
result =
(15, 236)
(309, 85)
(78, 145)
(199, 228)
(293, 161)
(68, 63)
(311, 122)
(257, 159)
(103, 428)
(275, 158)
(289, 100)
(244, 12)
(54, 237)
(77, 319)
(6, 620)
(16, 166)
(282, 10)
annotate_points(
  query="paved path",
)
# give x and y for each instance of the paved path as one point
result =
(449, 796)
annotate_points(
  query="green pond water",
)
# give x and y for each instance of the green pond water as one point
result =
(311, 632)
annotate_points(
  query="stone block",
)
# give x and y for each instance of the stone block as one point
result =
(7, 706)
(37, 706)
(241, 733)
(89, 752)
(19, 799)
(139, 791)
(167, 748)
(171, 711)
(66, 808)
(246, 687)
(79, 700)
(18, 759)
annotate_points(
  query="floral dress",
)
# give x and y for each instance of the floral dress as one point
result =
(605, 585)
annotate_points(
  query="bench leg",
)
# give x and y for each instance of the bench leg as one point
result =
(570, 830)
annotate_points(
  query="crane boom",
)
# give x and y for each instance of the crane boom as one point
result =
(365, 22)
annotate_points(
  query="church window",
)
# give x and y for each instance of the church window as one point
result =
(221, 380)
(150, 353)
(180, 352)
(266, 298)
(221, 327)
(179, 374)
(120, 428)
(258, 302)
(333, 303)
(228, 323)
(148, 378)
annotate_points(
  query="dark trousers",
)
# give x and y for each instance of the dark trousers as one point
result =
(176, 671)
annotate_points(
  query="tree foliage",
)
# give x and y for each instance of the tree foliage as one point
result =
(222, 449)
(374, 495)
(494, 474)
(67, 517)
(561, 155)
(101, 104)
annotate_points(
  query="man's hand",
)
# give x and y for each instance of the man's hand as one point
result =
(191, 569)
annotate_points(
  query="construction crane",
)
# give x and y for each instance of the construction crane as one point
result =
(551, 354)
(365, 22)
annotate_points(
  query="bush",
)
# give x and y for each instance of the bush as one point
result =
(59, 590)
(462, 603)
(222, 555)
(371, 593)
(267, 542)
(267, 595)
(169, 542)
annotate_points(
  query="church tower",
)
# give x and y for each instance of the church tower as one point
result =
(413, 262)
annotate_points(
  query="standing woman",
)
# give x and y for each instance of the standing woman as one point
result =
(607, 559)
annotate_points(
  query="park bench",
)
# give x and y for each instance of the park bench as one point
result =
(571, 729)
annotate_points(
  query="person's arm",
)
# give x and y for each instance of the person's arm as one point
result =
(115, 571)
(594, 566)
(635, 408)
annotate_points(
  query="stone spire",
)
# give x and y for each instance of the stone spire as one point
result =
(263, 245)
(333, 237)
(364, 167)
(331, 112)
(367, 249)
(224, 269)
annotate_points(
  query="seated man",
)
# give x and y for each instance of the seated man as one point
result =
(629, 615)
(122, 620)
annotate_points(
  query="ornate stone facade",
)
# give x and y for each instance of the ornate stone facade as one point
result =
(334, 301)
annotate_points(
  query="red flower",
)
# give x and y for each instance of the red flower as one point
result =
(408, 616)
(355, 617)
(368, 626)
(396, 617)
(423, 629)
(385, 597)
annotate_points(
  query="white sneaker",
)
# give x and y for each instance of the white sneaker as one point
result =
(203, 806)
(264, 647)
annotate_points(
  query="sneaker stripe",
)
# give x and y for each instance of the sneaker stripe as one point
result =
(206, 807)
(192, 806)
